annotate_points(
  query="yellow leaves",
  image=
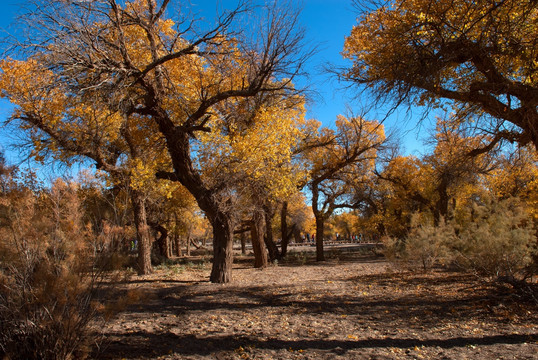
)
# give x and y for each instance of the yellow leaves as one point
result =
(517, 176)
(24, 83)
(354, 142)
(386, 36)
(167, 27)
(259, 150)
(142, 173)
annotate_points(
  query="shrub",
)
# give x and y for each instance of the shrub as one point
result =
(427, 244)
(48, 277)
(499, 241)
(393, 248)
(423, 247)
(496, 240)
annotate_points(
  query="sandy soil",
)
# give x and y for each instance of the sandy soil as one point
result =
(353, 306)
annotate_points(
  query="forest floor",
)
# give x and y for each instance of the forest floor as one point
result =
(355, 305)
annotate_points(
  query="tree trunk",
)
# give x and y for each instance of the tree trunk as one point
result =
(284, 236)
(222, 249)
(163, 240)
(177, 241)
(243, 237)
(177, 238)
(189, 245)
(320, 225)
(318, 214)
(258, 246)
(441, 208)
(297, 234)
(142, 233)
(269, 239)
(178, 143)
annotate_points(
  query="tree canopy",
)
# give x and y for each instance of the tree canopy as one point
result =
(479, 57)
(100, 79)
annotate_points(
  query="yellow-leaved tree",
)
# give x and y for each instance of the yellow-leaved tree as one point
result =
(132, 63)
(435, 184)
(516, 175)
(128, 149)
(478, 56)
(248, 158)
(334, 158)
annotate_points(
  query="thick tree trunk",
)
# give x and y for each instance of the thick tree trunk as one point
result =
(297, 234)
(142, 233)
(318, 214)
(441, 207)
(222, 249)
(258, 246)
(170, 249)
(274, 254)
(320, 225)
(177, 238)
(178, 143)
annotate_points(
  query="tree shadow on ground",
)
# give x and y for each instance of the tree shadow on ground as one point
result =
(409, 308)
(423, 303)
(126, 345)
(300, 259)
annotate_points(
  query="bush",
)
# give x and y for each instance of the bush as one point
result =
(48, 274)
(499, 241)
(425, 245)
(496, 239)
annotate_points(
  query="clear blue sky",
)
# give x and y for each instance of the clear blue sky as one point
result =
(327, 23)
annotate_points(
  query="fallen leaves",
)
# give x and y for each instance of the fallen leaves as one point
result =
(307, 319)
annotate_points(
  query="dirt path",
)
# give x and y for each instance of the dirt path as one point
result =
(350, 307)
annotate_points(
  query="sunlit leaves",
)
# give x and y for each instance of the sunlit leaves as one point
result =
(480, 55)
(255, 146)
(517, 176)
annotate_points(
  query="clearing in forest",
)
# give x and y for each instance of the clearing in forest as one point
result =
(353, 306)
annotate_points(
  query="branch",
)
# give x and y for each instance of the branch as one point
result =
(166, 175)
(499, 136)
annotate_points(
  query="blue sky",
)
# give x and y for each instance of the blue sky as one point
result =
(327, 23)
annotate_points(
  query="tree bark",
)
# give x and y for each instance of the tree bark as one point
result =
(177, 141)
(320, 227)
(163, 240)
(297, 234)
(243, 237)
(177, 241)
(274, 254)
(441, 206)
(258, 245)
(284, 236)
(189, 245)
(221, 271)
(142, 233)
(319, 216)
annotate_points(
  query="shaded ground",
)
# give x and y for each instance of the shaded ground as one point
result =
(350, 307)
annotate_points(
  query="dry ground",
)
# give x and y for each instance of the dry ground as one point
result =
(353, 306)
